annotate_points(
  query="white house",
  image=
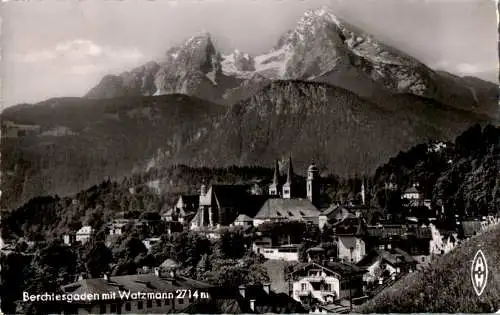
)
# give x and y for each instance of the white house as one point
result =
(328, 282)
(84, 234)
(350, 248)
(283, 252)
(150, 242)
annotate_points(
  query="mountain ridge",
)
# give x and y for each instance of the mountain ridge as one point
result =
(321, 43)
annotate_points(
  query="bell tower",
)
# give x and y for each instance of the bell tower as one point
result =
(274, 187)
(313, 184)
(288, 186)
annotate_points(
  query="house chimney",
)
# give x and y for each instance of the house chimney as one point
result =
(172, 273)
(252, 305)
(398, 270)
(242, 289)
(266, 287)
(106, 276)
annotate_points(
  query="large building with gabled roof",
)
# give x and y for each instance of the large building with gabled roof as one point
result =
(222, 205)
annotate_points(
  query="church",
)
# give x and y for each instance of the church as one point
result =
(222, 205)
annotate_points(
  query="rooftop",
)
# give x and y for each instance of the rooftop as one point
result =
(287, 208)
(148, 282)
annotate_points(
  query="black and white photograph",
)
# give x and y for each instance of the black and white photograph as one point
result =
(249, 157)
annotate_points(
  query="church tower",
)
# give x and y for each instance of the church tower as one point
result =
(288, 186)
(274, 187)
(313, 184)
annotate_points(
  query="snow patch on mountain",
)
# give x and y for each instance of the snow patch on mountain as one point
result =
(212, 73)
(273, 65)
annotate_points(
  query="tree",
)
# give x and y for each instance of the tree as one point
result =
(96, 258)
(232, 243)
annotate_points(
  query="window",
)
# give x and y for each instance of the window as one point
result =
(278, 213)
(149, 303)
(302, 213)
(140, 305)
(303, 286)
(112, 308)
(158, 303)
(423, 259)
(181, 301)
(128, 307)
(329, 287)
(290, 214)
(167, 302)
(102, 309)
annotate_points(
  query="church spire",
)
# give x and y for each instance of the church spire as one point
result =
(276, 176)
(289, 175)
(274, 187)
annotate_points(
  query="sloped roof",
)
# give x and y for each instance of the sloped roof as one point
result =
(169, 263)
(191, 199)
(238, 197)
(231, 302)
(216, 306)
(351, 226)
(243, 218)
(148, 282)
(338, 213)
(87, 229)
(340, 268)
(401, 230)
(471, 228)
(230, 195)
(412, 190)
(293, 209)
(349, 242)
(395, 257)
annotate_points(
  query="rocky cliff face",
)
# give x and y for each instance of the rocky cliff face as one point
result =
(321, 48)
(339, 130)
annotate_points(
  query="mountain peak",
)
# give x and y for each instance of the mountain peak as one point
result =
(321, 13)
(309, 25)
(203, 38)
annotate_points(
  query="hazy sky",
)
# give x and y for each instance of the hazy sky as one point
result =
(63, 47)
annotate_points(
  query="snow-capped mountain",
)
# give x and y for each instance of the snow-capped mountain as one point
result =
(321, 47)
(193, 68)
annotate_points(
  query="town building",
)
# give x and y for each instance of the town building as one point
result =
(243, 220)
(281, 252)
(150, 242)
(220, 205)
(413, 197)
(225, 205)
(282, 210)
(247, 299)
(337, 213)
(154, 284)
(69, 238)
(326, 281)
(350, 248)
(184, 209)
(84, 234)
(412, 238)
(380, 262)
